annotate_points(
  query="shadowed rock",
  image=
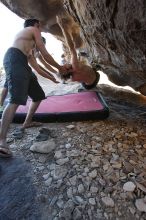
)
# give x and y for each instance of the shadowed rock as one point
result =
(17, 192)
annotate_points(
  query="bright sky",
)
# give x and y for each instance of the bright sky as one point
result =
(10, 24)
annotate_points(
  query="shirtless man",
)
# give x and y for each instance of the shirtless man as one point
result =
(78, 71)
(21, 82)
(38, 69)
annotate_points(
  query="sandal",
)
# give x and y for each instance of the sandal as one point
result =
(41, 137)
(18, 134)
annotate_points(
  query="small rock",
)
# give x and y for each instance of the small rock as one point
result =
(77, 215)
(43, 147)
(141, 204)
(68, 145)
(93, 174)
(62, 161)
(59, 172)
(48, 181)
(58, 154)
(132, 210)
(70, 126)
(60, 203)
(69, 193)
(92, 201)
(73, 180)
(58, 184)
(129, 186)
(46, 176)
(67, 211)
(81, 188)
(78, 200)
(93, 189)
(108, 201)
(86, 169)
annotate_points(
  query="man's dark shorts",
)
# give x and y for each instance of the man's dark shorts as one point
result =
(20, 79)
(93, 85)
(6, 84)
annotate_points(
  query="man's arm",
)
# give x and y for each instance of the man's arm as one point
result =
(40, 70)
(48, 67)
(40, 45)
(69, 41)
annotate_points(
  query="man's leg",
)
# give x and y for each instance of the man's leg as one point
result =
(7, 118)
(37, 94)
(3, 96)
(32, 109)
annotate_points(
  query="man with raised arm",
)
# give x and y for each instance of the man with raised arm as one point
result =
(79, 71)
(21, 82)
(44, 72)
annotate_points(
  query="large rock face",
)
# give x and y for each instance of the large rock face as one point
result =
(114, 32)
(115, 35)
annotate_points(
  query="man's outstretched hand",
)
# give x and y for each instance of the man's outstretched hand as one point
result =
(54, 80)
(62, 70)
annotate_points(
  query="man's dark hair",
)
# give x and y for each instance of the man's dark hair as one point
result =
(30, 22)
(44, 40)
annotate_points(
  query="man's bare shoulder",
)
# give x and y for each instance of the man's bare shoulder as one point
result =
(27, 31)
(31, 29)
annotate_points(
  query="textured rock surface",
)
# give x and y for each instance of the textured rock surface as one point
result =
(114, 32)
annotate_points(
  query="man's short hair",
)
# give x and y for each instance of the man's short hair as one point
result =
(44, 40)
(30, 22)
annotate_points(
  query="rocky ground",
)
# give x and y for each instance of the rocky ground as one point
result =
(92, 170)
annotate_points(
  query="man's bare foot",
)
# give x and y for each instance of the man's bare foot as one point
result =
(32, 124)
(5, 152)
